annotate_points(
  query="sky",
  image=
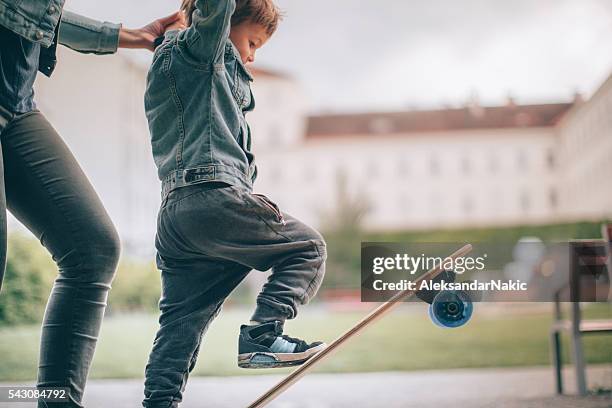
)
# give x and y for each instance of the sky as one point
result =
(370, 55)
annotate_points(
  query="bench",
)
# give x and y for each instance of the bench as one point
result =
(587, 257)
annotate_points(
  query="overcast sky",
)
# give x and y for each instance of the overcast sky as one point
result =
(395, 54)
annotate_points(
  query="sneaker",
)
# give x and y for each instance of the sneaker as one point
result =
(265, 346)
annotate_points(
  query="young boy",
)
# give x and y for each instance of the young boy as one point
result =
(212, 230)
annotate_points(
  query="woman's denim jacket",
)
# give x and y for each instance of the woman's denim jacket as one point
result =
(37, 21)
(198, 92)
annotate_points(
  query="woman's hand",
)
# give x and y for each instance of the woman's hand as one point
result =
(145, 37)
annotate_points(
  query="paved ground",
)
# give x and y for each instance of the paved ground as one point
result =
(474, 388)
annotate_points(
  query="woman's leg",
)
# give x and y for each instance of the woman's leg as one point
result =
(5, 118)
(49, 193)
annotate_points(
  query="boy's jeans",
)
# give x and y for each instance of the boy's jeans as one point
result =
(209, 237)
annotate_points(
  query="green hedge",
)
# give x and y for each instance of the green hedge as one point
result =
(27, 282)
(344, 243)
(30, 271)
(136, 287)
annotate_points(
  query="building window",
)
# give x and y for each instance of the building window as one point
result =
(372, 170)
(436, 204)
(496, 201)
(274, 137)
(274, 97)
(553, 199)
(402, 202)
(402, 167)
(341, 175)
(310, 173)
(466, 167)
(467, 205)
(434, 166)
(550, 159)
(493, 164)
(276, 174)
(525, 202)
(521, 160)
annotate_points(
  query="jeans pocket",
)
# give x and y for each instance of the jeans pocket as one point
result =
(270, 205)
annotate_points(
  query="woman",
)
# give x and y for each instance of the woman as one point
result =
(43, 186)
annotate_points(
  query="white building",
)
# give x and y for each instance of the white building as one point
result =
(96, 103)
(585, 151)
(474, 166)
(425, 169)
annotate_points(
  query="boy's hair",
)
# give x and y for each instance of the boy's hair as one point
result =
(262, 12)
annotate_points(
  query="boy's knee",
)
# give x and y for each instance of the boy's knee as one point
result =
(318, 270)
(319, 243)
(321, 247)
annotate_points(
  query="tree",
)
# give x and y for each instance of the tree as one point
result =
(343, 232)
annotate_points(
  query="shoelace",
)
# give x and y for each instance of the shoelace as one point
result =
(278, 331)
(299, 342)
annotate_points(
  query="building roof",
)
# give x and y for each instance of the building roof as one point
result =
(466, 118)
(257, 71)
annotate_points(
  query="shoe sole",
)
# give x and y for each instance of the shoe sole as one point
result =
(260, 359)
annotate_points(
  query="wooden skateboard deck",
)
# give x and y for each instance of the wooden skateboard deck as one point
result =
(374, 315)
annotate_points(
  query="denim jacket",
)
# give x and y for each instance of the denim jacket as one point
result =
(198, 92)
(37, 21)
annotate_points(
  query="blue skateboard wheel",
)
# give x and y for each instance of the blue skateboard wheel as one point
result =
(451, 309)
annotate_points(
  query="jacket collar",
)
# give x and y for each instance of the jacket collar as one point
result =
(234, 50)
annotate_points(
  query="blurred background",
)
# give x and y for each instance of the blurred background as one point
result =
(437, 121)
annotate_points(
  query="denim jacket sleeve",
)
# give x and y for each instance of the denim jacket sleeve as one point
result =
(209, 30)
(88, 36)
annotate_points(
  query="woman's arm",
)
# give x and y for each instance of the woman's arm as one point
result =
(145, 37)
(87, 36)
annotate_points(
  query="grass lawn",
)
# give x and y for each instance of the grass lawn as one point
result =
(497, 336)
